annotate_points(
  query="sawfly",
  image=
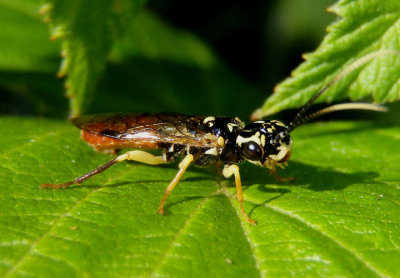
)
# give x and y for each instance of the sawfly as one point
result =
(202, 140)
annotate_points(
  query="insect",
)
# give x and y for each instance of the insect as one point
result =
(200, 140)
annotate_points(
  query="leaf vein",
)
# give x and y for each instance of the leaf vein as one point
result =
(251, 244)
(180, 232)
(325, 235)
(31, 250)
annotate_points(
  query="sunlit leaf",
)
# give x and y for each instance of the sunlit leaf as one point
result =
(364, 26)
(340, 217)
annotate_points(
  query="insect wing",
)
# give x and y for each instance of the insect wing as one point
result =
(158, 129)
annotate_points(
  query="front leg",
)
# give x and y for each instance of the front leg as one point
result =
(228, 171)
(272, 170)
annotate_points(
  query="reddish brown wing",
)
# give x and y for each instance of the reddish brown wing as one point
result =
(146, 131)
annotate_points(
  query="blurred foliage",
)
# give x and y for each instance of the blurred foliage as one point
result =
(236, 51)
(172, 55)
(88, 30)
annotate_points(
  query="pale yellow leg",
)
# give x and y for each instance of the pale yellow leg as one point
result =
(137, 155)
(141, 156)
(228, 171)
(182, 168)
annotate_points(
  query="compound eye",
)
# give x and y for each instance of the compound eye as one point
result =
(251, 150)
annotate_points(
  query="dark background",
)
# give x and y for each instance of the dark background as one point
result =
(262, 40)
(257, 44)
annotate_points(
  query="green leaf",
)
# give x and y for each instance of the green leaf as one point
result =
(364, 26)
(25, 45)
(88, 30)
(340, 217)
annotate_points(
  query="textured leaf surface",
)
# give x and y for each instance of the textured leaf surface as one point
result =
(364, 26)
(340, 217)
(88, 30)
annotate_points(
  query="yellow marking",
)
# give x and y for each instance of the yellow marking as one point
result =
(212, 151)
(255, 162)
(209, 121)
(241, 124)
(283, 150)
(255, 138)
(231, 126)
(182, 168)
(228, 171)
(221, 141)
(263, 140)
(270, 130)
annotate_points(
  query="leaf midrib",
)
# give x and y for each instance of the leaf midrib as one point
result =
(230, 197)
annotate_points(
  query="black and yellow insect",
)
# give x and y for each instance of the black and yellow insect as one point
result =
(200, 140)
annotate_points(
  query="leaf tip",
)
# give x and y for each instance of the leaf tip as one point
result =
(64, 65)
(256, 115)
(44, 11)
(45, 8)
(333, 9)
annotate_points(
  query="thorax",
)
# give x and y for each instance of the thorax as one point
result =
(224, 130)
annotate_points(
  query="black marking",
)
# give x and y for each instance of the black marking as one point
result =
(231, 152)
(229, 129)
(269, 129)
(109, 133)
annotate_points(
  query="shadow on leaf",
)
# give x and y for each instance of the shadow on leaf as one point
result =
(319, 178)
(316, 178)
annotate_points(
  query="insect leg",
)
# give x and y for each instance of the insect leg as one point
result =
(137, 155)
(228, 171)
(272, 170)
(182, 168)
(218, 165)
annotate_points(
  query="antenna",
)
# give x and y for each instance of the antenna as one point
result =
(299, 119)
(346, 106)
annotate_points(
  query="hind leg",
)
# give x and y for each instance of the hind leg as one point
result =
(137, 155)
